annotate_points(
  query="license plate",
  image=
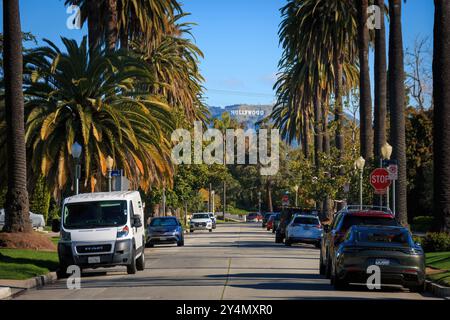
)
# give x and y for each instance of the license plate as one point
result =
(382, 262)
(93, 259)
(162, 238)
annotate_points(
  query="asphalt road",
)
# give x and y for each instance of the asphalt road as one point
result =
(236, 261)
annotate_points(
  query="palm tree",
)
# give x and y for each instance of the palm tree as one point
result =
(16, 205)
(441, 96)
(380, 84)
(397, 106)
(91, 97)
(365, 99)
(111, 24)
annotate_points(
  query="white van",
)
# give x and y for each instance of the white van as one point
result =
(102, 230)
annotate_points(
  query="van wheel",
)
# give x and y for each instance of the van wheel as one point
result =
(287, 242)
(180, 243)
(191, 231)
(140, 262)
(210, 230)
(131, 268)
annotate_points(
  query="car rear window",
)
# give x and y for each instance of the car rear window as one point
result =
(383, 237)
(305, 220)
(350, 220)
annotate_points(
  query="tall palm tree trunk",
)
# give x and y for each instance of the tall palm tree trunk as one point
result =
(305, 136)
(380, 84)
(326, 134)
(16, 205)
(338, 108)
(441, 97)
(365, 99)
(397, 106)
(111, 25)
(94, 27)
(318, 137)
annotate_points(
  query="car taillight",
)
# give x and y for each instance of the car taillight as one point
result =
(318, 226)
(122, 232)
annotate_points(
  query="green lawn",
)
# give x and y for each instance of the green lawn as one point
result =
(23, 264)
(439, 260)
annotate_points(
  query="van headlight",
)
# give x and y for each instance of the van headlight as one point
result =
(122, 232)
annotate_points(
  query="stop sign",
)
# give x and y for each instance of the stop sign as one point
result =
(379, 179)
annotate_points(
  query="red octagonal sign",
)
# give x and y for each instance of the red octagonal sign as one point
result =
(379, 179)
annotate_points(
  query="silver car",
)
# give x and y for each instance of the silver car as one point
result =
(304, 229)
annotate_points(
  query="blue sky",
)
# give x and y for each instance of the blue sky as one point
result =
(238, 37)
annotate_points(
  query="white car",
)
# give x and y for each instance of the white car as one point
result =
(37, 220)
(304, 228)
(201, 221)
(102, 229)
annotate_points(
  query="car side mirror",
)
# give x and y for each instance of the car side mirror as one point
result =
(137, 223)
(56, 225)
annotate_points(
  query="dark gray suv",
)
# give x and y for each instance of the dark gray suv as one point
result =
(392, 249)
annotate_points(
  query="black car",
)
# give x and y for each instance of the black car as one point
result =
(391, 249)
(334, 234)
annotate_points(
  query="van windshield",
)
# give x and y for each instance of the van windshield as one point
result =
(95, 214)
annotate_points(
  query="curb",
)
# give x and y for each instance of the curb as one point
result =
(437, 289)
(36, 282)
(5, 292)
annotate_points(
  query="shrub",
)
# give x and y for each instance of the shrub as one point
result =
(436, 242)
(422, 223)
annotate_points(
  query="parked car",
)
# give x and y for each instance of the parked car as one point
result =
(269, 224)
(37, 220)
(285, 218)
(164, 230)
(200, 221)
(342, 221)
(266, 216)
(254, 217)
(304, 229)
(392, 249)
(102, 230)
(276, 222)
(213, 219)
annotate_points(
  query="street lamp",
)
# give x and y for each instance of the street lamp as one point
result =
(359, 164)
(386, 152)
(296, 194)
(76, 154)
(109, 166)
(213, 204)
(259, 201)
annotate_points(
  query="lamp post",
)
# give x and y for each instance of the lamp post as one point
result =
(259, 201)
(213, 204)
(386, 152)
(296, 194)
(359, 164)
(76, 154)
(109, 166)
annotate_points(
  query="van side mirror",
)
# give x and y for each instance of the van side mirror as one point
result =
(56, 225)
(137, 223)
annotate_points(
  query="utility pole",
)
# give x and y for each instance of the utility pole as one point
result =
(224, 181)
